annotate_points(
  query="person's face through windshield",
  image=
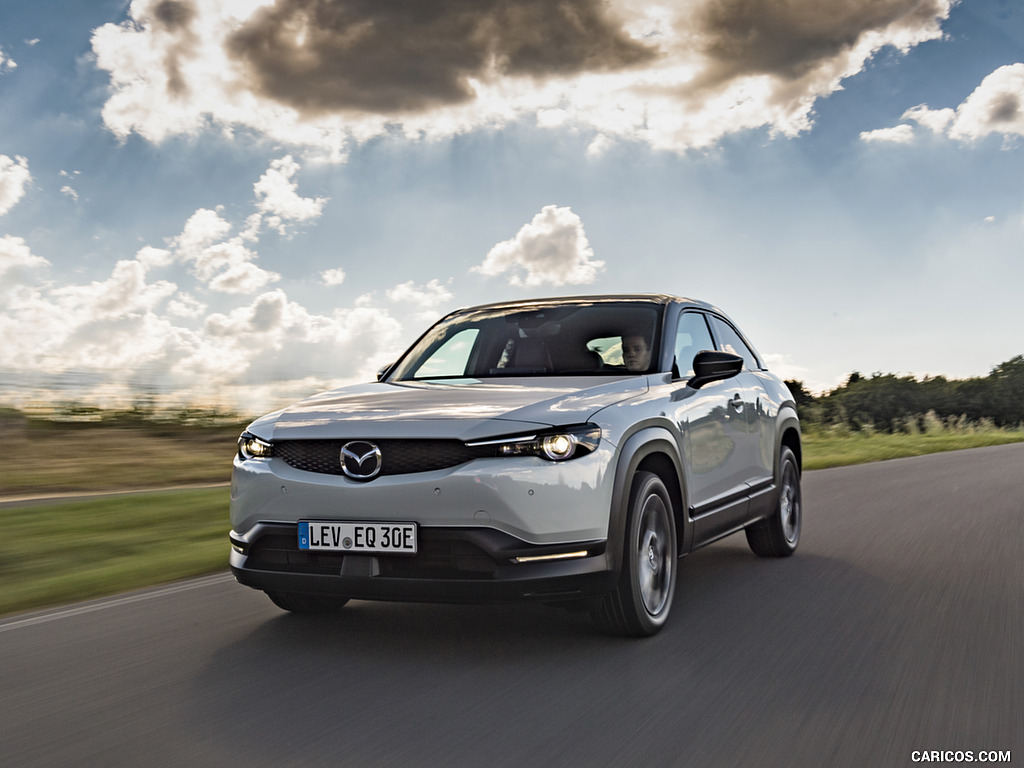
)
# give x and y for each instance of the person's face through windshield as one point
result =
(636, 354)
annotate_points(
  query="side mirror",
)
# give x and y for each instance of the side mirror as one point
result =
(711, 366)
(383, 371)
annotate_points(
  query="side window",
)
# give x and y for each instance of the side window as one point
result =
(451, 358)
(730, 341)
(692, 336)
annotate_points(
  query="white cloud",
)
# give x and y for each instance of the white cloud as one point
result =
(67, 189)
(134, 328)
(598, 145)
(421, 302)
(332, 277)
(16, 257)
(995, 107)
(898, 134)
(552, 249)
(151, 257)
(780, 365)
(130, 328)
(935, 120)
(273, 338)
(177, 79)
(125, 292)
(14, 175)
(426, 296)
(204, 228)
(6, 63)
(551, 118)
(108, 324)
(223, 263)
(240, 275)
(675, 74)
(277, 197)
(184, 305)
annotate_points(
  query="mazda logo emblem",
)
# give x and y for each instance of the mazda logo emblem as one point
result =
(360, 460)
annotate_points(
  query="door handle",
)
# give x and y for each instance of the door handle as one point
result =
(737, 403)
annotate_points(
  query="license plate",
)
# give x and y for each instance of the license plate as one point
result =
(381, 538)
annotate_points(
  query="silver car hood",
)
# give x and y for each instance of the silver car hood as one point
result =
(465, 409)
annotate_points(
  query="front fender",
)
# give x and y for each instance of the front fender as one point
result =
(655, 448)
(787, 432)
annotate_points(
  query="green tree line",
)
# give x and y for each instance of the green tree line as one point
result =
(890, 403)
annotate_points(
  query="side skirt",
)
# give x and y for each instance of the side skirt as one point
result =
(724, 517)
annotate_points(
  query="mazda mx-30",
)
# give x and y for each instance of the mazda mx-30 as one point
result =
(566, 450)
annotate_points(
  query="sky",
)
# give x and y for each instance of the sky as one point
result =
(237, 203)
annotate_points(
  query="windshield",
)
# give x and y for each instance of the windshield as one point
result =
(591, 338)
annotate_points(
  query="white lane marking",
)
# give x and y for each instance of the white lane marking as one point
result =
(86, 495)
(114, 602)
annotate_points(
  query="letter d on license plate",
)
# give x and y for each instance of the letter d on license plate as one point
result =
(379, 538)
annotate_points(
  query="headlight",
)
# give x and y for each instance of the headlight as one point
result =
(557, 445)
(251, 447)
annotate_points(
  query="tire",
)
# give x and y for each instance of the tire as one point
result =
(778, 535)
(296, 602)
(640, 603)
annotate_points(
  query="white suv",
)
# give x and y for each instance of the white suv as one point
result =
(560, 450)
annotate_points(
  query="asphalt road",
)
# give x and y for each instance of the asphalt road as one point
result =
(897, 627)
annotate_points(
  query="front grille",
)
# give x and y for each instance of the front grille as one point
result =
(398, 457)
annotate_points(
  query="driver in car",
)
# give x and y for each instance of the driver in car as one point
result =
(636, 353)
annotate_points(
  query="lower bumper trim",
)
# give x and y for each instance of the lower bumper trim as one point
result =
(453, 565)
(595, 581)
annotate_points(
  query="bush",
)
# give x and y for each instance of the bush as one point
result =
(903, 404)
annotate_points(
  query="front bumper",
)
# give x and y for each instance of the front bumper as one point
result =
(453, 565)
(536, 501)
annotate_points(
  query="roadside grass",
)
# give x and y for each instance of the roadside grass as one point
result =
(59, 553)
(823, 448)
(54, 457)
